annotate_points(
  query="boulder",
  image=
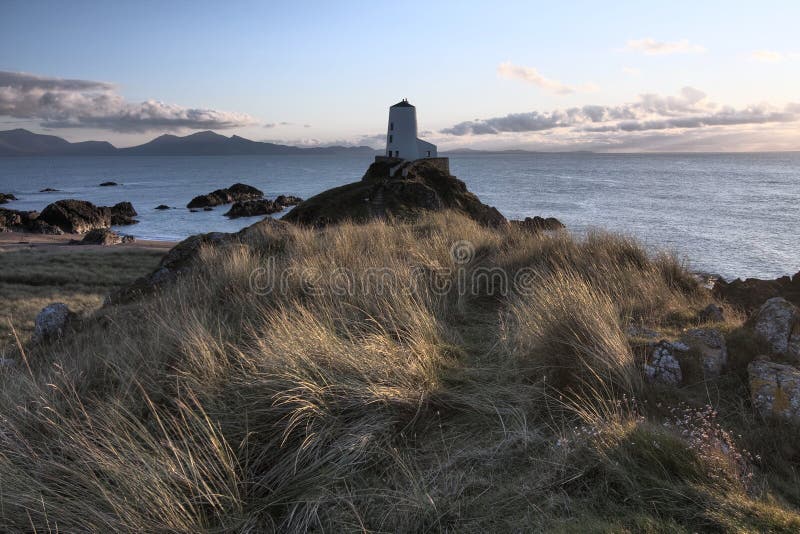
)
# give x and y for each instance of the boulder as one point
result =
(52, 321)
(49, 190)
(104, 236)
(710, 344)
(233, 193)
(6, 197)
(251, 208)
(287, 200)
(775, 389)
(108, 184)
(711, 314)
(76, 216)
(750, 294)
(778, 322)
(389, 191)
(162, 207)
(123, 213)
(539, 224)
(663, 366)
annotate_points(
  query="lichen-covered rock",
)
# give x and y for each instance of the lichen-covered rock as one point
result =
(710, 344)
(52, 321)
(775, 389)
(287, 200)
(123, 213)
(663, 367)
(778, 321)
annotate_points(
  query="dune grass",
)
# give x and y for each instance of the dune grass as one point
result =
(339, 380)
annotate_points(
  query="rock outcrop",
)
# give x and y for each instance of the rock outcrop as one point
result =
(108, 184)
(52, 322)
(236, 192)
(162, 207)
(539, 224)
(775, 389)
(778, 322)
(105, 237)
(122, 214)
(288, 200)
(389, 191)
(6, 197)
(80, 216)
(76, 216)
(663, 366)
(251, 208)
(710, 345)
(750, 294)
(25, 221)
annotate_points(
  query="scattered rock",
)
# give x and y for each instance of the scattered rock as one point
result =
(123, 213)
(76, 216)
(108, 184)
(251, 208)
(193, 211)
(38, 226)
(417, 187)
(52, 321)
(750, 294)
(778, 321)
(49, 190)
(226, 196)
(162, 207)
(663, 367)
(104, 236)
(710, 344)
(711, 314)
(539, 224)
(6, 197)
(775, 389)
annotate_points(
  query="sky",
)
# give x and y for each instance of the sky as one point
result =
(607, 76)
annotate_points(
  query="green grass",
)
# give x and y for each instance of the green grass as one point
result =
(208, 407)
(30, 279)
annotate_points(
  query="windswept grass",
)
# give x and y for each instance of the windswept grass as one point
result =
(339, 398)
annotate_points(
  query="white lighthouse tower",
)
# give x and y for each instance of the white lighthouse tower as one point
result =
(401, 136)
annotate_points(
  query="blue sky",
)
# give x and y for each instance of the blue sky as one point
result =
(717, 75)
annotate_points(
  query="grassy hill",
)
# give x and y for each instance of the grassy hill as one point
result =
(435, 375)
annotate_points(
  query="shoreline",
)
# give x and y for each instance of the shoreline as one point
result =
(14, 241)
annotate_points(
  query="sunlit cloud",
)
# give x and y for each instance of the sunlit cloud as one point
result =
(66, 103)
(651, 47)
(631, 71)
(509, 71)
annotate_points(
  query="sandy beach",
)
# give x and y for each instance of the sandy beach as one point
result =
(14, 241)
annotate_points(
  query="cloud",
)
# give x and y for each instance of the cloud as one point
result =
(532, 76)
(276, 124)
(767, 56)
(651, 47)
(631, 71)
(688, 110)
(66, 103)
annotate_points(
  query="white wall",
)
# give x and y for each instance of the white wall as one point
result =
(401, 135)
(424, 147)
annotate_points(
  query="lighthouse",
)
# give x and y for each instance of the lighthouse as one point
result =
(401, 135)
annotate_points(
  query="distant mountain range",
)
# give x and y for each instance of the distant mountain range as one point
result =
(21, 142)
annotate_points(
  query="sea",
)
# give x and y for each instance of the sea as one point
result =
(735, 215)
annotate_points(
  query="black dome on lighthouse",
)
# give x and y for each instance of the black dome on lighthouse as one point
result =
(403, 104)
